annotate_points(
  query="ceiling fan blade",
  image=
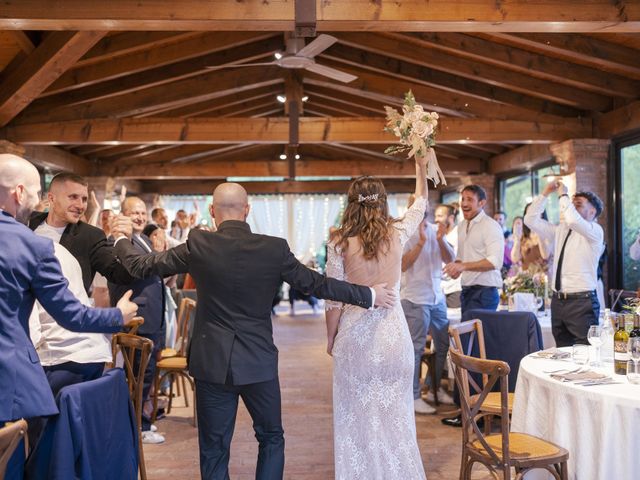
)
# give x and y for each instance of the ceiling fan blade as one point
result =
(236, 65)
(331, 73)
(319, 45)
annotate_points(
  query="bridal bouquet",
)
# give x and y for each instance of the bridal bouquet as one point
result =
(416, 131)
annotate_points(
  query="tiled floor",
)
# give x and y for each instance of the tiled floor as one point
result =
(305, 376)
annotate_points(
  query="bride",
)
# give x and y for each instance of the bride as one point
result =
(373, 416)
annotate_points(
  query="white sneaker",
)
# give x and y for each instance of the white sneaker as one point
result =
(420, 406)
(152, 437)
(153, 428)
(443, 397)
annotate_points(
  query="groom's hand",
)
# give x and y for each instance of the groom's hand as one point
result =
(385, 297)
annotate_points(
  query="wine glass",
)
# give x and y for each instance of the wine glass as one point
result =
(595, 339)
(634, 354)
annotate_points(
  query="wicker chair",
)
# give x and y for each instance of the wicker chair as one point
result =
(491, 403)
(130, 346)
(502, 451)
(176, 366)
(10, 436)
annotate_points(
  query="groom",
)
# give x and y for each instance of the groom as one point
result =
(231, 353)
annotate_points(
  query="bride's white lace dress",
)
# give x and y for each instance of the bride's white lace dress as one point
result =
(373, 416)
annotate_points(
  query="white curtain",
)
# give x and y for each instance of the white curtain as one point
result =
(302, 219)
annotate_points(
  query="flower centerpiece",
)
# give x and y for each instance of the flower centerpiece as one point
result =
(526, 282)
(416, 131)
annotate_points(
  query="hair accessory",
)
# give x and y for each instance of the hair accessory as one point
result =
(369, 198)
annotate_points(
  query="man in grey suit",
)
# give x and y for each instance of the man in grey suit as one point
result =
(232, 353)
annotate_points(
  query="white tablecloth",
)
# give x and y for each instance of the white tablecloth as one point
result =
(598, 425)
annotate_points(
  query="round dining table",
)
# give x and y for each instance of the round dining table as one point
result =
(599, 425)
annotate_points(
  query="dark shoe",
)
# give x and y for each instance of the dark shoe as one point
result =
(453, 421)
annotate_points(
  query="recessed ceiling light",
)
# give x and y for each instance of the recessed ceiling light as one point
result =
(283, 156)
(278, 55)
(305, 98)
(281, 98)
(297, 157)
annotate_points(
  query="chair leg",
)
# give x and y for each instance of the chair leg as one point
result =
(184, 389)
(156, 383)
(141, 465)
(564, 471)
(432, 373)
(172, 379)
(488, 421)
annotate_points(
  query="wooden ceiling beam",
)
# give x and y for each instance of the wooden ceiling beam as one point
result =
(521, 158)
(249, 110)
(42, 67)
(182, 56)
(480, 48)
(117, 44)
(440, 100)
(462, 74)
(306, 167)
(163, 131)
(57, 159)
(199, 187)
(336, 110)
(220, 103)
(619, 121)
(184, 92)
(156, 77)
(580, 49)
(344, 15)
(348, 100)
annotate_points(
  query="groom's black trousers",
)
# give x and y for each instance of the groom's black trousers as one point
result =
(217, 406)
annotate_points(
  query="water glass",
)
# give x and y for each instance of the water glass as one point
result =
(595, 338)
(633, 372)
(634, 348)
(580, 354)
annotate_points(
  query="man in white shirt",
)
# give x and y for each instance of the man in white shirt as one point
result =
(446, 215)
(423, 301)
(68, 357)
(480, 253)
(578, 244)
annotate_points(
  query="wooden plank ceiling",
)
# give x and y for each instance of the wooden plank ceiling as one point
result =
(125, 88)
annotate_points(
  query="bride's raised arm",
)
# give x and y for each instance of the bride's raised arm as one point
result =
(422, 189)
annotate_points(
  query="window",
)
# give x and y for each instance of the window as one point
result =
(451, 197)
(517, 191)
(629, 211)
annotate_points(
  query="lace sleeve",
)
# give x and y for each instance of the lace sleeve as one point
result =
(334, 269)
(408, 225)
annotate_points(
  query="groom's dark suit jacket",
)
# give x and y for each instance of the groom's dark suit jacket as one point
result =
(237, 274)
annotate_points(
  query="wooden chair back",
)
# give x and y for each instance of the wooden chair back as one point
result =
(136, 352)
(10, 436)
(473, 328)
(495, 371)
(134, 325)
(185, 312)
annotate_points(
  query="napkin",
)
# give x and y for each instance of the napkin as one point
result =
(552, 354)
(573, 377)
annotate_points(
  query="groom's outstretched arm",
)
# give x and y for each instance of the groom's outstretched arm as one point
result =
(162, 264)
(313, 283)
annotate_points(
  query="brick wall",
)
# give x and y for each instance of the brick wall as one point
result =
(585, 160)
(488, 182)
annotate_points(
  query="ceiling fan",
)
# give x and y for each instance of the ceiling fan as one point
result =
(301, 56)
